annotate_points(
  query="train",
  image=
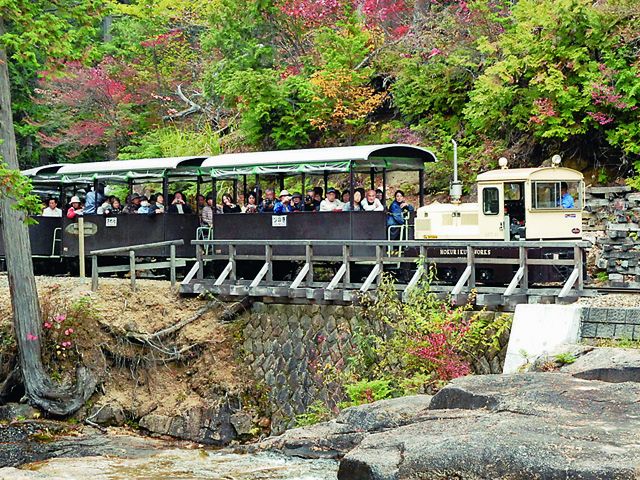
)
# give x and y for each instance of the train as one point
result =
(511, 207)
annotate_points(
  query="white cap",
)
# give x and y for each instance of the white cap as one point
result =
(284, 193)
(75, 199)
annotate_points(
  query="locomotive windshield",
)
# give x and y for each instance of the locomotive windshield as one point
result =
(556, 195)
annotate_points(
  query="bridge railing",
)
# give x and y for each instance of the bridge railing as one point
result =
(383, 253)
(132, 266)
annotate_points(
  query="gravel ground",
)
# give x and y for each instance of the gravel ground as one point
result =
(617, 300)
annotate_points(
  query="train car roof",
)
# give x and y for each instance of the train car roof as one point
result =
(147, 168)
(539, 173)
(318, 160)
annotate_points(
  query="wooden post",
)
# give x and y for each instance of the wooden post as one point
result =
(198, 182)
(132, 268)
(577, 258)
(471, 263)
(165, 191)
(81, 247)
(346, 253)
(268, 254)
(244, 188)
(94, 273)
(232, 261)
(524, 283)
(325, 176)
(281, 181)
(309, 260)
(172, 263)
(214, 194)
(379, 262)
(200, 274)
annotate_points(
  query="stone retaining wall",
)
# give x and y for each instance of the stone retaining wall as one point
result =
(611, 323)
(286, 346)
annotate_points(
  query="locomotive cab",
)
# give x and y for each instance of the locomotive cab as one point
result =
(513, 204)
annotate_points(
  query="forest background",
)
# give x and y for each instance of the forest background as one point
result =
(156, 78)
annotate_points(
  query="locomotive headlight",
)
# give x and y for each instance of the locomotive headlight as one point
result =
(503, 162)
(556, 159)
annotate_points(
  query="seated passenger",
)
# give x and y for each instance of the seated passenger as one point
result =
(156, 202)
(310, 204)
(297, 203)
(52, 209)
(283, 205)
(94, 200)
(206, 215)
(228, 205)
(331, 203)
(371, 202)
(179, 204)
(269, 201)
(133, 204)
(566, 200)
(200, 201)
(398, 208)
(252, 203)
(75, 208)
(379, 194)
(116, 206)
(318, 195)
(346, 196)
(357, 199)
(145, 207)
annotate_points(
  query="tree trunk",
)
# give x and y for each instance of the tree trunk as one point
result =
(39, 388)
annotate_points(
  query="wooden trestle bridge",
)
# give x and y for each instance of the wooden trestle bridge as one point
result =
(337, 271)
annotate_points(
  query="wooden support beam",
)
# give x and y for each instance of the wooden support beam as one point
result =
(514, 282)
(413, 282)
(337, 277)
(263, 271)
(375, 272)
(195, 269)
(172, 267)
(223, 276)
(346, 253)
(94, 273)
(462, 281)
(301, 276)
(309, 261)
(471, 264)
(569, 283)
(132, 269)
(268, 258)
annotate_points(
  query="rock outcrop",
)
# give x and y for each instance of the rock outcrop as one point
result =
(581, 422)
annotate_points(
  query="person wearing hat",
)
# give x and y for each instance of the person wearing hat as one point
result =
(331, 203)
(296, 202)
(75, 208)
(283, 204)
(133, 204)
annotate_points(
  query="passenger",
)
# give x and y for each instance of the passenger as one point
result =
(357, 199)
(145, 207)
(252, 203)
(283, 205)
(200, 202)
(310, 204)
(75, 210)
(371, 202)
(268, 203)
(52, 209)
(398, 208)
(94, 200)
(228, 205)
(318, 194)
(331, 203)
(116, 206)
(379, 194)
(156, 203)
(206, 216)
(297, 204)
(566, 200)
(346, 196)
(132, 205)
(179, 204)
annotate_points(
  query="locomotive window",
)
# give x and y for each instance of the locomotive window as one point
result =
(549, 194)
(513, 191)
(490, 201)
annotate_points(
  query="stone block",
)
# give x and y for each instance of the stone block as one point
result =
(606, 330)
(589, 330)
(624, 332)
(633, 316)
(615, 315)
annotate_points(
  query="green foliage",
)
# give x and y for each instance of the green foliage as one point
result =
(368, 392)
(16, 186)
(565, 358)
(316, 412)
(172, 142)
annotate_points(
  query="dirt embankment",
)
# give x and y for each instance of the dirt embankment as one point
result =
(155, 351)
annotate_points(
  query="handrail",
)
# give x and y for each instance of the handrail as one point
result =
(106, 251)
(414, 243)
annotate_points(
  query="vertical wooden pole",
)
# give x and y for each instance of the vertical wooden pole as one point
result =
(235, 189)
(309, 260)
(132, 268)
(268, 255)
(471, 262)
(245, 191)
(94, 273)
(325, 176)
(281, 180)
(577, 258)
(346, 253)
(200, 274)
(232, 260)
(172, 263)
(198, 183)
(165, 191)
(214, 193)
(524, 283)
(81, 247)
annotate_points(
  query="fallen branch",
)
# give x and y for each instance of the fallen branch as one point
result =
(193, 106)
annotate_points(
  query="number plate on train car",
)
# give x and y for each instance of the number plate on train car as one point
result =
(279, 221)
(111, 222)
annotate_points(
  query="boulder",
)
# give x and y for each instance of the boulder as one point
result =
(608, 365)
(335, 438)
(107, 415)
(521, 426)
(18, 411)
